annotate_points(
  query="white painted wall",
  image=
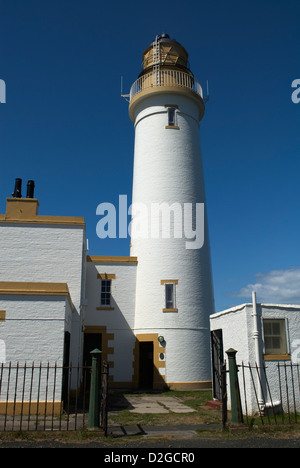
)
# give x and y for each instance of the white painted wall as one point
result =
(119, 321)
(33, 333)
(34, 328)
(39, 253)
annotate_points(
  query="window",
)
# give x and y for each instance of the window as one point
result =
(105, 292)
(170, 295)
(275, 336)
(171, 117)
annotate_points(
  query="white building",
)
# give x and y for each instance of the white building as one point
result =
(149, 312)
(264, 335)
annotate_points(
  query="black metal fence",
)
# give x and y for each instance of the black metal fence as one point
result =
(269, 394)
(48, 397)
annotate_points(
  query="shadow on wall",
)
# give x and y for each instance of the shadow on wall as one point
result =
(147, 357)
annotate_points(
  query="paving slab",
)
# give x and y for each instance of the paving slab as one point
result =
(157, 404)
(145, 405)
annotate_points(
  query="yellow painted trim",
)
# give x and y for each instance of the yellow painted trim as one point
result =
(277, 357)
(174, 127)
(2, 315)
(110, 259)
(22, 207)
(33, 407)
(174, 281)
(170, 310)
(190, 385)
(106, 337)
(106, 276)
(25, 210)
(49, 220)
(38, 289)
(158, 379)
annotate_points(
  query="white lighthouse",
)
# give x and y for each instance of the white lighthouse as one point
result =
(174, 293)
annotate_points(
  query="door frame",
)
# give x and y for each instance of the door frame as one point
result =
(159, 381)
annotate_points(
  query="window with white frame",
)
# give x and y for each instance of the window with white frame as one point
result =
(275, 336)
(105, 292)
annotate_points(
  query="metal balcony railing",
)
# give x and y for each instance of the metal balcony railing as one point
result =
(168, 78)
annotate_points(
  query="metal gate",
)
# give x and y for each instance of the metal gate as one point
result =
(217, 362)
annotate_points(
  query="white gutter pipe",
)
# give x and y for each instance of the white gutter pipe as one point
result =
(258, 355)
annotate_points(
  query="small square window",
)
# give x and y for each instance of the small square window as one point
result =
(105, 292)
(275, 336)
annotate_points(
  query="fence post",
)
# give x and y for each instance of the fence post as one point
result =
(236, 406)
(104, 397)
(94, 407)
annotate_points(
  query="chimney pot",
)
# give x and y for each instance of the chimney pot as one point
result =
(18, 189)
(30, 189)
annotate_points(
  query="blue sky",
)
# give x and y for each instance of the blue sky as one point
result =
(65, 125)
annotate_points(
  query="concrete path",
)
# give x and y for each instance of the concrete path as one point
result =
(158, 404)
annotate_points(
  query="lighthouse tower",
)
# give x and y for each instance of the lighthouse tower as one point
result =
(174, 293)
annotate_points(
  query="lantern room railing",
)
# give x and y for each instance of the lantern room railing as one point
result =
(163, 78)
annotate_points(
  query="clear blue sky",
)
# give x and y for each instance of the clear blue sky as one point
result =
(65, 125)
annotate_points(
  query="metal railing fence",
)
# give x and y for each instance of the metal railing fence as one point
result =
(269, 394)
(48, 396)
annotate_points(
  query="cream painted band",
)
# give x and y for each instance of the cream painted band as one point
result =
(35, 289)
(17, 408)
(46, 220)
(110, 259)
(168, 281)
(25, 210)
(277, 357)
(106, 276)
